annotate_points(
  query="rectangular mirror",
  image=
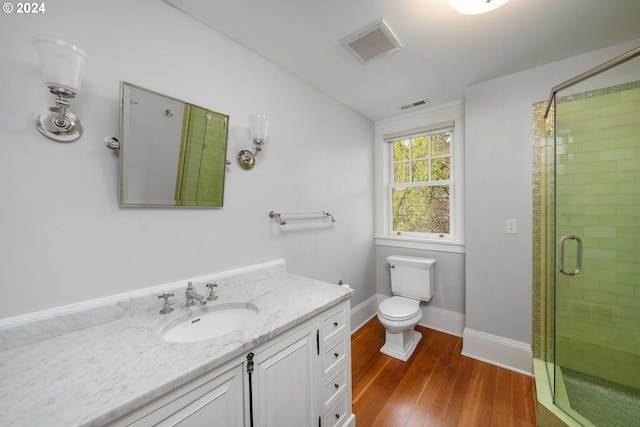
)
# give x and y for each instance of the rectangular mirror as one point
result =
(172, 154)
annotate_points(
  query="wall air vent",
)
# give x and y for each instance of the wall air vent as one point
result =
(371, 42)
(415, 104)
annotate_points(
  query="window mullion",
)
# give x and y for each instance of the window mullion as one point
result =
(443, 183)
(410, 162)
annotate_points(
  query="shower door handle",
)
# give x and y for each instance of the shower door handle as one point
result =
(578, 256)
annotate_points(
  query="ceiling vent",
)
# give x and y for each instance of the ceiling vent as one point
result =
(419, 103)
(371, 42)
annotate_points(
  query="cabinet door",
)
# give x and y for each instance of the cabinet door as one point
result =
(221, 406)
(285, 383)
(215, 403)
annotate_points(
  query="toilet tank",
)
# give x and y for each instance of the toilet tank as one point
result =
(412, 277)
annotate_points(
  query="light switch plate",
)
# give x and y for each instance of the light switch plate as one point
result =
(512, 226)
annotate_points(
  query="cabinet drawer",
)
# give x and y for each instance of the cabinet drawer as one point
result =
(333, 387)
(333, 355)
(337, 414)
(334, 324)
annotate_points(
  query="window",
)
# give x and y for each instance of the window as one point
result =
(420, 184)
(419, 179)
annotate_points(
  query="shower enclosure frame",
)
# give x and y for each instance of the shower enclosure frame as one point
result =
(589, 73)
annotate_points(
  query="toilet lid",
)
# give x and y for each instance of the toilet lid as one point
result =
(399, 308)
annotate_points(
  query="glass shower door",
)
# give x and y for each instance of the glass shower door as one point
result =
(597, 233)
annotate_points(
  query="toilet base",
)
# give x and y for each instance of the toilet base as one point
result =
(402, 344)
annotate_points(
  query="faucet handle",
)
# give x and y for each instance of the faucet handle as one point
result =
(166, 308)
(212, 296)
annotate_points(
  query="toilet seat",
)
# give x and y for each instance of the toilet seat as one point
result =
(398, 309)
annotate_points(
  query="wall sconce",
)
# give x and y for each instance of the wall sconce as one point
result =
(475, 7)
(62, 65)
(258, 124)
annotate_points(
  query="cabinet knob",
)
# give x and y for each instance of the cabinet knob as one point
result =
(336, 354)
(335, 324)
(336, 385)
(337, 416)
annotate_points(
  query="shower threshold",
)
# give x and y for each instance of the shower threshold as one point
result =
(548, 414)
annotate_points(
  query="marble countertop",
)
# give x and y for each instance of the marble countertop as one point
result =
(94, 375)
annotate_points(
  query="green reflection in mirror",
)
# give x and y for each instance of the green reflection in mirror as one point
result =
(172, 153)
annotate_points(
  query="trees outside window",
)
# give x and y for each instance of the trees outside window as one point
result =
(420, 184)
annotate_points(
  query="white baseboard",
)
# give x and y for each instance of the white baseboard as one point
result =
(446, 321)
(363, 312)
(506, 353)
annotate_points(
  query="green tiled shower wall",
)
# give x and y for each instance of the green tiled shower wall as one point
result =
(543, 232)
(597, 185)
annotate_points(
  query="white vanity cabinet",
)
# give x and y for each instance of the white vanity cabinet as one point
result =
(299, 378)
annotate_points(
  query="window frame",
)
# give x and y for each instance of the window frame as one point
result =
(436, 118)
(391, 184)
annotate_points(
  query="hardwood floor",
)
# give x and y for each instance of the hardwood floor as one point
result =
(436, 387)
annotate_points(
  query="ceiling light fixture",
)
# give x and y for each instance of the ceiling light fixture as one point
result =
(475, 7)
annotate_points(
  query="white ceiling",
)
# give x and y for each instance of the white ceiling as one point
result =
(443, 51)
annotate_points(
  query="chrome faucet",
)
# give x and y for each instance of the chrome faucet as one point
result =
(193, 296)
(212, 296)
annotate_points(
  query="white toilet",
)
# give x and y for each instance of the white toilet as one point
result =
(412, 281)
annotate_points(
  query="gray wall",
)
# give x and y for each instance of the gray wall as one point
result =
(63, 237)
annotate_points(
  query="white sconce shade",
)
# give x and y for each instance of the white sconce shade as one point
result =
(62, 63)
(475, 7)
(259, 126)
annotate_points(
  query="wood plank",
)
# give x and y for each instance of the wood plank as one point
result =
(362, 386)
(517, 407)
(404, 398)
(473, 396)
(502, 408)
(376, 396)
(531, 402)
(432, 390)
(459, 394)
(435, 398)
(487, 397)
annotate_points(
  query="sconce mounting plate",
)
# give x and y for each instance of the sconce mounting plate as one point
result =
(46, 123)
(246, 159)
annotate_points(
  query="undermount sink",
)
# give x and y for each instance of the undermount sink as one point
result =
(210, 322)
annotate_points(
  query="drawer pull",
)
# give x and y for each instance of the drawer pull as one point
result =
(337, 416)
(335, 324)
(336, 354)
(336, 385)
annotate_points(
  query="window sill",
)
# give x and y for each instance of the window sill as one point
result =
(424, 244)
